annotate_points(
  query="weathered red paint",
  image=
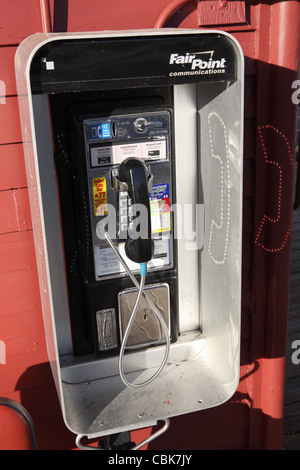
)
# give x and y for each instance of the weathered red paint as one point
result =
(14, 430)
(269, 35)
(10, 130)
(12, 173)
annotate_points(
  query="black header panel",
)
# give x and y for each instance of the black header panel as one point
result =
(66, 65)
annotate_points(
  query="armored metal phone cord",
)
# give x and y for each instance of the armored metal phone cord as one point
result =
(141, 292)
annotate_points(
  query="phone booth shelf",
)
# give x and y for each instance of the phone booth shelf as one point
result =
(203, 72)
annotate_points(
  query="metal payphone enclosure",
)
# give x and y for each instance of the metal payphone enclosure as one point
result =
(199, 75)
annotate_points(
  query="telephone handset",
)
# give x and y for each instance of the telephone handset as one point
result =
(135, 174)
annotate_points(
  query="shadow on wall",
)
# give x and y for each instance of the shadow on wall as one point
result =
(42, 404)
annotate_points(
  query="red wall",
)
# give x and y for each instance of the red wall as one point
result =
(269, 35)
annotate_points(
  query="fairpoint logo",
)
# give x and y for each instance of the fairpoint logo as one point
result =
(204, 65)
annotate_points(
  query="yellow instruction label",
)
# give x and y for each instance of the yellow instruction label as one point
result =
(100, 196)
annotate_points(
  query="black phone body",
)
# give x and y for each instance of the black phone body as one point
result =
(92, 140)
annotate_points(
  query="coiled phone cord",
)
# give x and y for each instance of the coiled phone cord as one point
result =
(141, 292)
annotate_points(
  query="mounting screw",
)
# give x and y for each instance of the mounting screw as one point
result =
(223, 3)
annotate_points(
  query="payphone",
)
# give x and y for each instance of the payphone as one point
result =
(120, 179)
(135, 185)
(115, 168)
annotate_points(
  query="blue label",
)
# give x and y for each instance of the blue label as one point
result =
(159, 191)
(101, 131)
(105, 128)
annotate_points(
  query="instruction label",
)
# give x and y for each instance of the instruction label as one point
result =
(115, 154)
(107, 263)
(100, 196)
